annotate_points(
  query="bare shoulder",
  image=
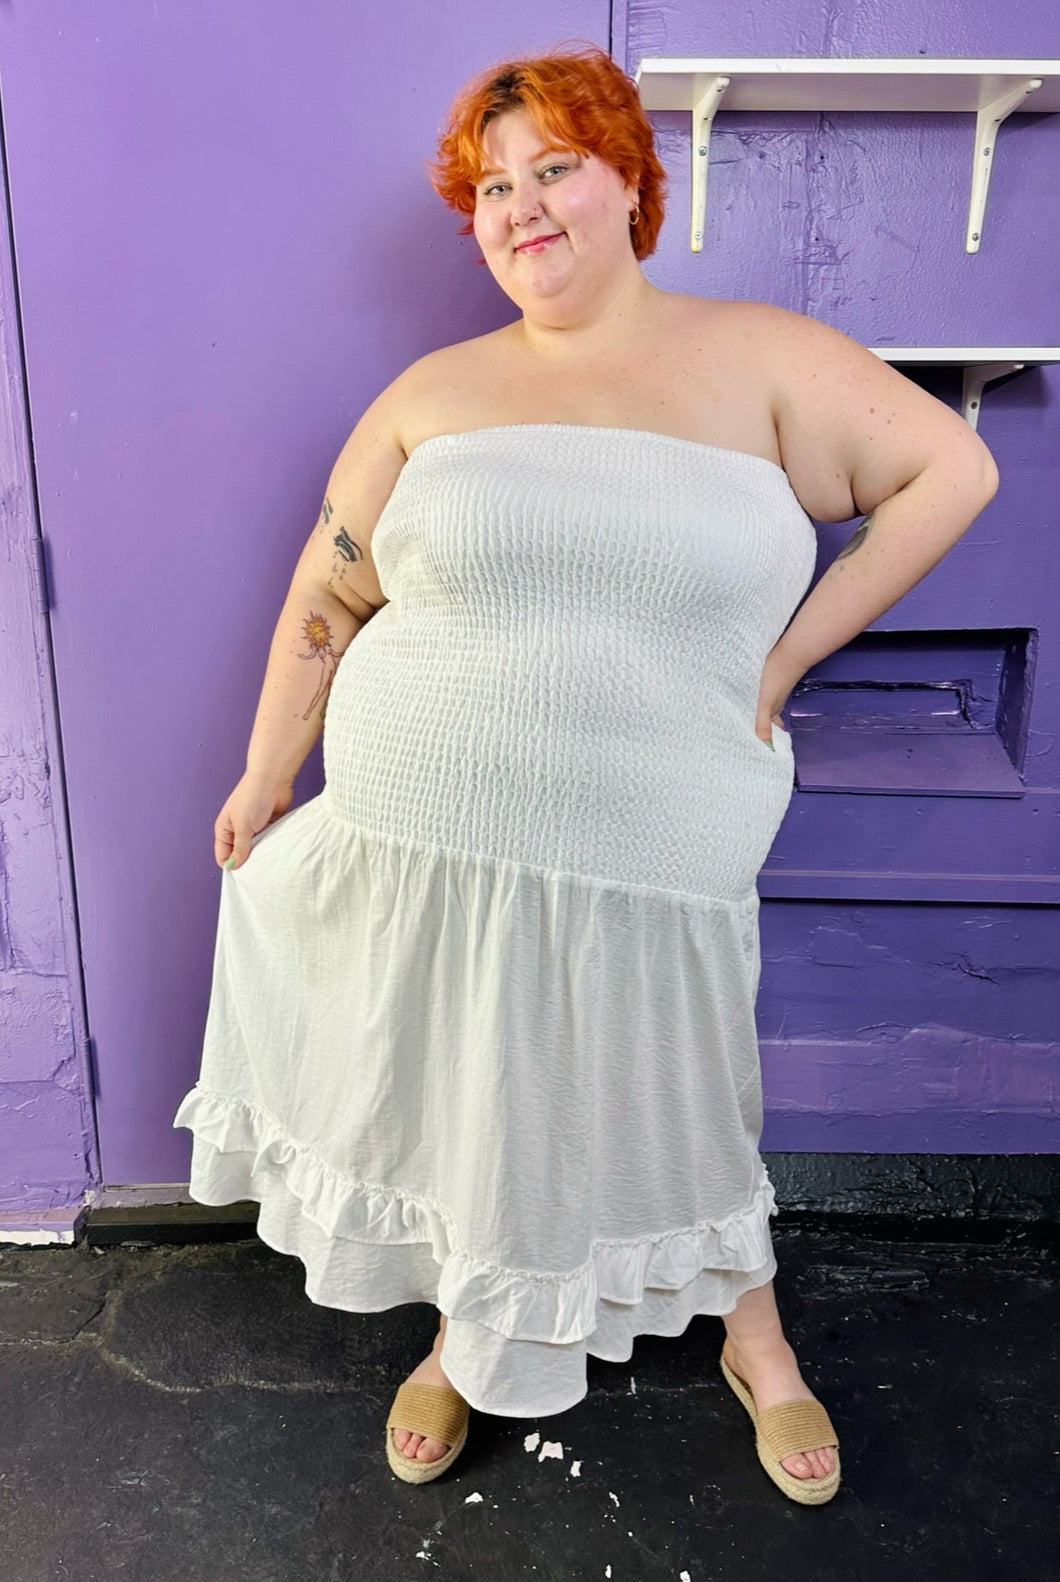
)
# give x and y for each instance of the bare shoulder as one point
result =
(437, 392)
(693, 319)
(852, 430)
(338, 555)
(383, 438)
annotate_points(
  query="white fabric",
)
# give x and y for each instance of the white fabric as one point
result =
(481, 1030)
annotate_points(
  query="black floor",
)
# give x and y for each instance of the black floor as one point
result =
(186, 1414)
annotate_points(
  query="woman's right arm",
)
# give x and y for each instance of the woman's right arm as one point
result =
(334, 591)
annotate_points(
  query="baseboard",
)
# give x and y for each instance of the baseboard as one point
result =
(979, 1197)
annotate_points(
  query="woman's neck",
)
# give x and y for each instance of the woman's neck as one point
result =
(628, 314)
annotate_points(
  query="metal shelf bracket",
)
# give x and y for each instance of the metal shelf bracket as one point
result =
(703, 112)
(976, 375)
(987, 120)
(991, 90)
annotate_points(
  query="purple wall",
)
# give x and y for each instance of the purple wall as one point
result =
(226, 245)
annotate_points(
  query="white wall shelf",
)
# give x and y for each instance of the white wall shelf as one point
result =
(991, 89)
(981, 364)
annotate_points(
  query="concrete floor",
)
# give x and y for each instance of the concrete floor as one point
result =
(184, 1413)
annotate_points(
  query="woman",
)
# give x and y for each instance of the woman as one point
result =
(482, 1023)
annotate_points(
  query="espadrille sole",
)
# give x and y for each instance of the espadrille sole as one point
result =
(436, 1411)
(786, 1429)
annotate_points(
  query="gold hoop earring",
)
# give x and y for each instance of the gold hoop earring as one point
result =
(635, 216)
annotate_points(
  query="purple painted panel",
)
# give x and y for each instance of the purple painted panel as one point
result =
(903, 763)
(47, 1137)
(927, 1028)
(227, 246)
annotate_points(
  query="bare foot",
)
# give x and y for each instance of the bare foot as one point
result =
(415, 1446)
(771, 1373)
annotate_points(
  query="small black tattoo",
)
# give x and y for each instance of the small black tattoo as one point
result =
(346, 547)
(858, 538)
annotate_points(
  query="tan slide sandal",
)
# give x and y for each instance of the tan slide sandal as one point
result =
(437, 1412)
(786, 1429)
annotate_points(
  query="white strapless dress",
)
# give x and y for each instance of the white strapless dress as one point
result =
(481, 1031)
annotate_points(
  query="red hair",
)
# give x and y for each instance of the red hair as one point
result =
(577, 97)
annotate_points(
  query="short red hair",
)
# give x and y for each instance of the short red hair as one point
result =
(579, 98)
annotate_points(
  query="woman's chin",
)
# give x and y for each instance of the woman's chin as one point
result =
(540, 286)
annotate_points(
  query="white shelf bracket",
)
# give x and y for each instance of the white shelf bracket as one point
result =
(976, 375)
(987, 121)
(703, 112)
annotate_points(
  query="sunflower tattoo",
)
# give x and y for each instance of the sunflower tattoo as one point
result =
(317, 634)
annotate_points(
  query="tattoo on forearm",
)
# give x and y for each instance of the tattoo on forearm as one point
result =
(858, 538)
(327, 511)
(345, 545)
(346, 549)
(317, 634)
(346, 552)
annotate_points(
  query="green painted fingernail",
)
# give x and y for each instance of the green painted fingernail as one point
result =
(230, 862)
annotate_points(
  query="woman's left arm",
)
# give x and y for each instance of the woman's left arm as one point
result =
(855, 432)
